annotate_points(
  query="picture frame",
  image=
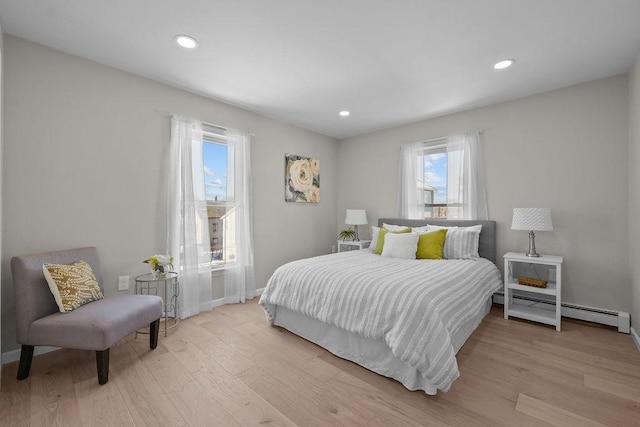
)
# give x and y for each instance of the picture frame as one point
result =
(301, 179)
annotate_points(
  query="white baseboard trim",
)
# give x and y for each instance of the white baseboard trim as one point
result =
(636, 338)
(217, 303)
(619, 319)
(14, 355)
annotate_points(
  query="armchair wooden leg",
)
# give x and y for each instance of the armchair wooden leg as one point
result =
(154, 328)
(26, 356)
(102, 361)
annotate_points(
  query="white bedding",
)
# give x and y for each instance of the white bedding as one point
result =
(417, 308)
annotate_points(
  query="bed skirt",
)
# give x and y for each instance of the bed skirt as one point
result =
(372, 354)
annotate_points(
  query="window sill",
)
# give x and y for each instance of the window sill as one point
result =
(217, 270)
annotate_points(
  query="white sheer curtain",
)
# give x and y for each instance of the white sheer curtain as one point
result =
(410, 194)
(240, 282)
(188, 233)
(469, 175)
(465, 177)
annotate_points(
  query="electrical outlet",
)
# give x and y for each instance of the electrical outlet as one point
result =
(123, 283)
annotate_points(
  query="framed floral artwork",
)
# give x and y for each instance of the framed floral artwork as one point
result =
(301, 179)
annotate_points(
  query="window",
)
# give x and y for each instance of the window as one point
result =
(440, 189)
(442, 178)
(219, 190)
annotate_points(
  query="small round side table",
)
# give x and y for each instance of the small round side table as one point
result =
(150, 283)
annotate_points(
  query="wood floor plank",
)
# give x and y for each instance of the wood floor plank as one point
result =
(552, 414)
(625, 387)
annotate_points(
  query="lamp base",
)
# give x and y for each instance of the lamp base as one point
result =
(532, 246)
(357, 239)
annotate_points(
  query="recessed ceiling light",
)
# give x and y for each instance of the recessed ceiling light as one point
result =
(186, 42)
(505, 63)
(344, 113)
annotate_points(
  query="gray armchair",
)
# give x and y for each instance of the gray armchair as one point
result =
(93, 326)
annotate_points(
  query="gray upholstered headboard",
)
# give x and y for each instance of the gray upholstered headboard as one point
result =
(486, 246)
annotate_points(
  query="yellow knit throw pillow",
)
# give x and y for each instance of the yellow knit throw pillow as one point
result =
(72, 285)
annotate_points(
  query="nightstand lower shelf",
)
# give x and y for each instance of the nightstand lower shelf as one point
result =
(534, 314)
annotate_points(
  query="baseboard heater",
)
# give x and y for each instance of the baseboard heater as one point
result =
(619, 319)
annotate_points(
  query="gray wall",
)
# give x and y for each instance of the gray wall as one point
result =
(634, 191)
(1, 145)
(566, 150)
(84, 164)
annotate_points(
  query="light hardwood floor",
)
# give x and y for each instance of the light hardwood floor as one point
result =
(227, 367)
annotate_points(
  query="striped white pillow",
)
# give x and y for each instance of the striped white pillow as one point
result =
(461, 242)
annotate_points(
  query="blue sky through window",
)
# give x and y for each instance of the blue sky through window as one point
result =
(215, 170)
(435, 175)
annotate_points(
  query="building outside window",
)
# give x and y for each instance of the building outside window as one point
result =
(219, 189)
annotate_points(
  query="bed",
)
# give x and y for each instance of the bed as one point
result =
(404, 319)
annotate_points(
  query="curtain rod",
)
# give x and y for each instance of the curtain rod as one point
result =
(445, 137)
(169, 113)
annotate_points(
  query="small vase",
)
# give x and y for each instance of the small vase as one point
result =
(160, 272)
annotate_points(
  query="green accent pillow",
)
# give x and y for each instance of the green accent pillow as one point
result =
(431, 244)
(381, 234)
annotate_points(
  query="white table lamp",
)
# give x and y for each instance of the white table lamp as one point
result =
(356, 217)
(532, 219)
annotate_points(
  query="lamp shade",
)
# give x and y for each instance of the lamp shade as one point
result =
(532, 219)
(356, 217)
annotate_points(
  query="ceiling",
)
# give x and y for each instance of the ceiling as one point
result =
(301, 62)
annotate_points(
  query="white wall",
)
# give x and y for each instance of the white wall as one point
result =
(84, 164)
(634, 191)
(1, 145)
(566, 150)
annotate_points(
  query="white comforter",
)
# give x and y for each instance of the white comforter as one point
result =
(414, 306)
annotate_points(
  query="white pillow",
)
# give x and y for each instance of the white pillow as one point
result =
(400, 245)
(461, 244)
(392, 227)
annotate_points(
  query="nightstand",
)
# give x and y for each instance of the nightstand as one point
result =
(553, 289)
(352, 245)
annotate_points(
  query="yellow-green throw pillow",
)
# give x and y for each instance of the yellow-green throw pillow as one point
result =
(431, 244)
(72, 285)
(381, 234)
